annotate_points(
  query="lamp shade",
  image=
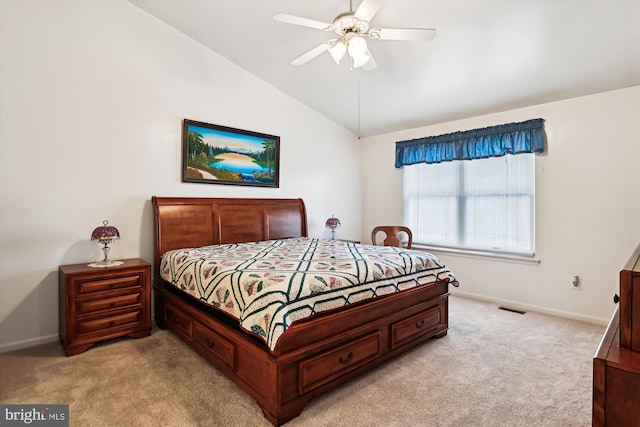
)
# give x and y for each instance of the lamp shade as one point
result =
(105, 234)
(332, 223)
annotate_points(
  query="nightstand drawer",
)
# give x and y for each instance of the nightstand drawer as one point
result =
(90, 326)
(91, 306)
(91, 286)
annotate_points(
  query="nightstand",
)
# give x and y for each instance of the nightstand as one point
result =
(97, 304)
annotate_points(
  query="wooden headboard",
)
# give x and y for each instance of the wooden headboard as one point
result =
(188, 222)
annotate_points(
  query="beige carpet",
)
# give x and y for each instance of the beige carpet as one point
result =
(494, 368)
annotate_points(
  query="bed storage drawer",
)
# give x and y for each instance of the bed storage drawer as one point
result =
(178, 321)
(416, 326)
(318, 370)
(213, 344)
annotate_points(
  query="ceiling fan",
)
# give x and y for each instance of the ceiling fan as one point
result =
(352, 29)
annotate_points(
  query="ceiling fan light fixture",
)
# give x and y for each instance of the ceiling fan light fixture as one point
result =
(357, 46)
(337, 51)
(360, 61)
(358, 51)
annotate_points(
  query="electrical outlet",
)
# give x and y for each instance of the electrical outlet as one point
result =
(576, 283)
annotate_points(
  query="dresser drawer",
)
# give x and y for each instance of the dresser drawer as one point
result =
(92, 286)
(320, 369)
(178, 321)
(90, 306)
(415, 326)
(213, 344)
(90, 326)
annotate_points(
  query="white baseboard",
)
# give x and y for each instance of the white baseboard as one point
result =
(529, 307)
(19, 345)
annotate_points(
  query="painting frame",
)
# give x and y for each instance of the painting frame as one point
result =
(215, 154)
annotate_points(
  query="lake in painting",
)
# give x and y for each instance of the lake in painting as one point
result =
(240, 163)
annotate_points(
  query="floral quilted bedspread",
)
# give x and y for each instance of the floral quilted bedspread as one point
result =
(268, 285)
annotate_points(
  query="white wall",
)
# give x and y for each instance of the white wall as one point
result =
(93, 98)
(587, 204)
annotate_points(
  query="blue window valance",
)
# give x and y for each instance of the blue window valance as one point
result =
(493, 141)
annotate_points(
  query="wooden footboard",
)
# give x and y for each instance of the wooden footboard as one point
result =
(315, 355)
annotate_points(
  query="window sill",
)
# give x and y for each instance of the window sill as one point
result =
(464, 253)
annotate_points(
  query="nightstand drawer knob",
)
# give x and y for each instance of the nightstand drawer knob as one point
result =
(112, 285)
(111, 323)
(420, 324)
(112, 304)
(175, 319)
(210, 343)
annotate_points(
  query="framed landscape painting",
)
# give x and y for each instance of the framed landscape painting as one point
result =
(215, 154)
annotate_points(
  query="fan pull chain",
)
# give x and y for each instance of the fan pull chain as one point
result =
(358, 104)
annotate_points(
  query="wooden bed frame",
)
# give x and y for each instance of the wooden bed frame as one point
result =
(314, 355)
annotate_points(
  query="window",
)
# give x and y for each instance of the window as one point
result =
(481, 204)
(473, 189)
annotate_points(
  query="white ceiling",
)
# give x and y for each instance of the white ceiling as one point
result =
(488, 56)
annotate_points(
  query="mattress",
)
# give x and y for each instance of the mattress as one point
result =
(268, 285)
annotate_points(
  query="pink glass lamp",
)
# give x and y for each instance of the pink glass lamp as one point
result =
(332, 223)
(104, 235)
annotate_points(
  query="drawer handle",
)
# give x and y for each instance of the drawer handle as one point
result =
(420, 324)
(175, 319)
(210, 343)
(112, 304)
(112, 285)
(111, 323)
(347, 360)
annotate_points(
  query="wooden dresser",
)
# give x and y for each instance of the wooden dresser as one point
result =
(616, 364)
(102, 303)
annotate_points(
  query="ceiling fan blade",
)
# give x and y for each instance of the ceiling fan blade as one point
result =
(297, 20)
(370, 64)
(367, 9)
(306, 57)
(412, 34)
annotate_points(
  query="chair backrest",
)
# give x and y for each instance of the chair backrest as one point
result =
(392, 232)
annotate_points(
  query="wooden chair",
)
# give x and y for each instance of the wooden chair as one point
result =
(392, 232)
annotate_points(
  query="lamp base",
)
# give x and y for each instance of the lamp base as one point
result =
(102, 264)
(106, 262)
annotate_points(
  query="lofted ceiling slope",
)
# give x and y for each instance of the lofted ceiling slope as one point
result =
(488, 56)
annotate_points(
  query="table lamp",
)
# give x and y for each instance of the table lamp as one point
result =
(104, 235)
(333, 223)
